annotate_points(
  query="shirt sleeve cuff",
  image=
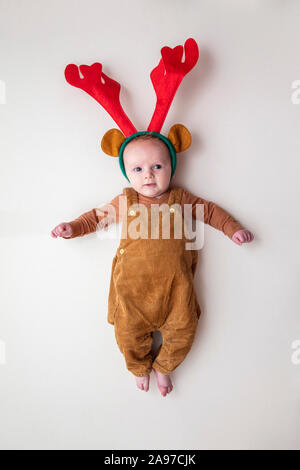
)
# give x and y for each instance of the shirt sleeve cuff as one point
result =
(76, 228)
(232, 228)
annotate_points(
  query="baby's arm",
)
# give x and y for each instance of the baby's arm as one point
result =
(218, 218)
(89, 222)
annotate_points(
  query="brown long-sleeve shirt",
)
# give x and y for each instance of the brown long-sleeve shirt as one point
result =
(214, 215)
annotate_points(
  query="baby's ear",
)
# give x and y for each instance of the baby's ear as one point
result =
(111, 142)
(180, 137)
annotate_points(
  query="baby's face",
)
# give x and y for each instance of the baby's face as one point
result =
(148, 166)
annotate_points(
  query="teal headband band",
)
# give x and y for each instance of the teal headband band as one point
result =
(156, 134)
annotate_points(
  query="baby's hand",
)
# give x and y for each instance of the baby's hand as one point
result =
(242, 236)
(63, 230)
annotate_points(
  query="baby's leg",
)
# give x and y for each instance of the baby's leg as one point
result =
(135, 345)
(163, 380)
(178, 334)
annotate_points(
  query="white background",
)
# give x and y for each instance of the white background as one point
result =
(64, 384)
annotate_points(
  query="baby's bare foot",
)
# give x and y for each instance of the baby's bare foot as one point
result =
(163, 382)
(143, 382)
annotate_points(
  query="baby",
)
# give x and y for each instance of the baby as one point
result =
(151, 284)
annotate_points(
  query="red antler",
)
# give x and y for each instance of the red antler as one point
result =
(167, 76)
(105, 90)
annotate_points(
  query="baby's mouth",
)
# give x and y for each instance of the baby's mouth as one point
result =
(150, 184)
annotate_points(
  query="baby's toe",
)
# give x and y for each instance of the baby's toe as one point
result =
(163, 390)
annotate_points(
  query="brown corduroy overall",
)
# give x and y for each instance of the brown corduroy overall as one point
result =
(152, 288)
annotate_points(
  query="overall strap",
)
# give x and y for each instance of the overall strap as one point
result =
(131, 196)
(175, 196)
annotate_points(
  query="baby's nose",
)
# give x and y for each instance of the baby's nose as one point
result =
(149, 174)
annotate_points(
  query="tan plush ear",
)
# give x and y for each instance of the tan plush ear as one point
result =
(111, 142)
(180, 137)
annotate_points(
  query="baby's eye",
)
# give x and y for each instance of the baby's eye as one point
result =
(158, 165)
(137, 168)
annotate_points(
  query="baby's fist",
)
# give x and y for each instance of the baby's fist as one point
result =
(242, 236)
(63, 230)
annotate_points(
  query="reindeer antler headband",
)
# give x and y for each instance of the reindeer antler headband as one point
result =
(166, 78)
